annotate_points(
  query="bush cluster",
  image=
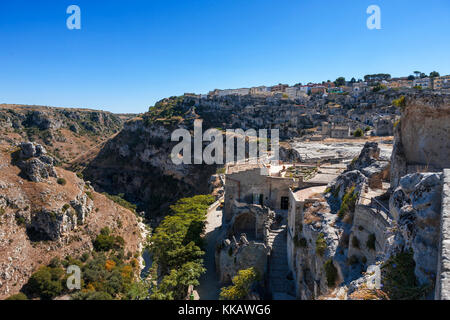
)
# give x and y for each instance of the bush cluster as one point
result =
(321, 244)
(241, 286)
(348, 202)
(399, 278)
(106, 242)
(331, 272)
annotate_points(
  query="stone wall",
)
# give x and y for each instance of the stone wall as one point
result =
(232, 256)
(421, 137)
(367, 221)
(425, 130)
(443, 273)
(243, 186)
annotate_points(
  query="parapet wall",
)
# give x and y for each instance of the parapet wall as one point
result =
(368, 221)
(443, 272)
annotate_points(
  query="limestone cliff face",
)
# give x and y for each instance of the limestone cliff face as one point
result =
(137, 163)
(421, 137)
(65, 133)
(416, 205)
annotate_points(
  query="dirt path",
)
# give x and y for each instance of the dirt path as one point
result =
(209, 288)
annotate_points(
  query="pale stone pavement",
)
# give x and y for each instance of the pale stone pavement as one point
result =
(209, 287)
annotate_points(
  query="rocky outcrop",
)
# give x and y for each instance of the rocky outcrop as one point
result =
(289, 154)
(53, 223)
(66, 133)
(320, 250)
(43, 220)
(416, 203)
(370, 164)
(82, 205)
(34, 162)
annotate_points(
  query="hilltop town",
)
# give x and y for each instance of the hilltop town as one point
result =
(353, 87)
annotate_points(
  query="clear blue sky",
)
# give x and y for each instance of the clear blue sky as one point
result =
(129, 54)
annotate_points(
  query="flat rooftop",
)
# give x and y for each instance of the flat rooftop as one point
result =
(238, 167)
(303, 194)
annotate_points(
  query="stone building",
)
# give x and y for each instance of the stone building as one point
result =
(257, 184)
(340, 132)
(384, 126)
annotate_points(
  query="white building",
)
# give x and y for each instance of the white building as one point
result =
(295, 92)
(230, 92)
(425, 83)
(260, 90)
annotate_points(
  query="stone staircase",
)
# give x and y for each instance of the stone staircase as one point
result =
(279, 283)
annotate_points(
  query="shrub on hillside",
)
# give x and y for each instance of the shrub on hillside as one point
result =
(242, 284)
(399, 278)
(331, 272)
(46, 282)
(358, 133)
(119, 199)
(107, 242)
(321, 244)
(348, 202)
(18, 296)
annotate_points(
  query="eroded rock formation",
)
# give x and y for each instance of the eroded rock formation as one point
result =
(36, 165)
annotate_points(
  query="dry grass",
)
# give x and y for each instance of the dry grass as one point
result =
(52, 196)
(310, 214)
(368, 294)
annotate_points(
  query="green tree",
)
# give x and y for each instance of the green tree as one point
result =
(177, 239)
(340, 82)
(104, 242)
(95, 295)
(399, 279)
(358, 132)
(434, 74)
(46, 282)
(139, 290)
(378, 87)
(241, 286)
(175, 285)
(331, 272)
(348, 202)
